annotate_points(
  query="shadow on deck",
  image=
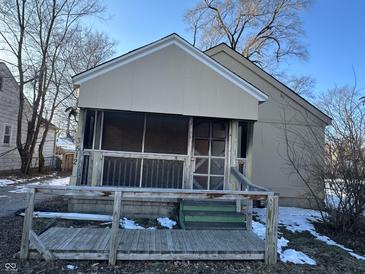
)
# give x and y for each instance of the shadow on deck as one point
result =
(152, 244)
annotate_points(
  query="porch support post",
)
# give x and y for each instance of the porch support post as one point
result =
(188, 176)
(249, 157)
(249, 207)
(114, 242)
(271, 238)
(77, 164)
(232, 152)
(96, 169)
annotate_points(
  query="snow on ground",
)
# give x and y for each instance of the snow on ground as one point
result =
(297, 220)
(71, 267)
(288, 255)
(13, 180)
(52, 182)
(130, 224)
(166, 222)
(6, 182)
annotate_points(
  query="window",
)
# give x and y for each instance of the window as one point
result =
(7, 135)
(1, 83)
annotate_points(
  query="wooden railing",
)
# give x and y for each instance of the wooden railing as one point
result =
(241, 182)
(140, 172)
(119, 193)
(134, 169)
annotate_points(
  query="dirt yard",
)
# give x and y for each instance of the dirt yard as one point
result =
(329, 259)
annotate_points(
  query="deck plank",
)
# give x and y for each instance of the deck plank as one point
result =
(93, 243)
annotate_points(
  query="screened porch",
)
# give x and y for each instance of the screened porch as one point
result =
(137, 149)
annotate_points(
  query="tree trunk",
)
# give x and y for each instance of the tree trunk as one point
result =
(40, 151)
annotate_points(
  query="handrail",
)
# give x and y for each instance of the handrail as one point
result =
(245, 182)
(150, 192)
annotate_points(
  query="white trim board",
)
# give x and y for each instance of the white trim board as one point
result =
(176, 40)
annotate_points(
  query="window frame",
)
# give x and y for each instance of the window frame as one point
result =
(4, 134)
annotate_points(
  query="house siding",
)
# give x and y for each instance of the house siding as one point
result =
(270, 166)
(9, 102)
(168, 81)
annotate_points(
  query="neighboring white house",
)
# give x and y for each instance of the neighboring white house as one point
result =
(9, 102)
(168, 115)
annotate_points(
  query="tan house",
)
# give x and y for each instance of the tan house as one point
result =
(168, 115)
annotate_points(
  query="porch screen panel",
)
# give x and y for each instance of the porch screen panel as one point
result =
(166, 134)
(162, 173)
(123, 172)
(123, 131)
(89, 129)
(85, 171)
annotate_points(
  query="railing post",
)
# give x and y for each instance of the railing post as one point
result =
(27, 225)
(271, 238)
(238, 206)
(113, 248)
(249, 206)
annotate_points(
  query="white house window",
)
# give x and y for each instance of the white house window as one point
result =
(7, 135)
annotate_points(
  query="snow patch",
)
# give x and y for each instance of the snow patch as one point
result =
(6, 182)
(130, 224)
(166, 222)
(288, 255)
(52, 182)
(72, 216)
(296, 257)
(71, 267)
(12, 180)
(299, 220)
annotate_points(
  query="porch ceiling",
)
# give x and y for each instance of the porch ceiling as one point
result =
(173, 78)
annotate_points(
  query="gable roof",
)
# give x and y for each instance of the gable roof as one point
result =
(176, 40)
(271, 79)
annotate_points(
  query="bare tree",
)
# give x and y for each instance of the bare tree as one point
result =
(32, 33)
(340, 169)
(264, 31)
(303, 85)
(83, 50)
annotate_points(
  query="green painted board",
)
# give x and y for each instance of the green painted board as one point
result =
(209, 208)
(225, 219)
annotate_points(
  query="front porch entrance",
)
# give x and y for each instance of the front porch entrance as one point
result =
(135, 149)
(209, 153)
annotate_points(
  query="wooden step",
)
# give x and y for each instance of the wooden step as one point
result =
(214, 226)
(212, 216)
(195, 214)
(224, 206)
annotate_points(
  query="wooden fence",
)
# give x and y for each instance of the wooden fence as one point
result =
(29, 236)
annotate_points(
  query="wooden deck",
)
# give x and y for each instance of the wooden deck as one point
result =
(151, 244)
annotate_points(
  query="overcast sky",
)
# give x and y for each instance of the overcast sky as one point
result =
(335, 34)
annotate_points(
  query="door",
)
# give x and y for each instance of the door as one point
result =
(209, 153)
